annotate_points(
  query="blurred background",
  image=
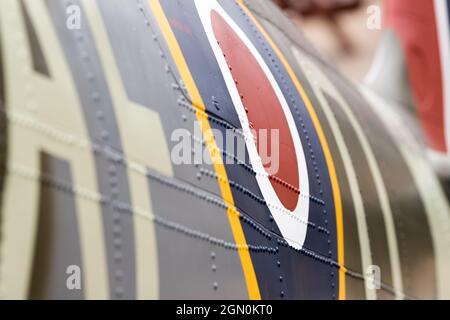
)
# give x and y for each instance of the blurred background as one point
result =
(338, 29)
(414, 74)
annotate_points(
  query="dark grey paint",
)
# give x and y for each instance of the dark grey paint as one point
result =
(58, 240)
(187, 263)
(86, 67)
(39, 63)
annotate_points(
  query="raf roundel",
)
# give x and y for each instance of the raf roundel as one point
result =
(262, 108)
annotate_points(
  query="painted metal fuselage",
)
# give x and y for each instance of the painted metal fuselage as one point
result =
(93, 118)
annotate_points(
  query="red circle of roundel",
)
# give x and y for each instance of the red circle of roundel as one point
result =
(263, 107)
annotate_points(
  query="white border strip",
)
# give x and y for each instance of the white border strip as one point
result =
(443, 29)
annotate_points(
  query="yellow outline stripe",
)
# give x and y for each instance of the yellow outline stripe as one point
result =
(238, 233)
(326, 150)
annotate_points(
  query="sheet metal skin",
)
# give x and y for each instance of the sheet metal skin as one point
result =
(87, 124)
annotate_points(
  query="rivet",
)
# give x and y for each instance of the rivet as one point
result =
(100, 115)
(119, 292)
(90, 77)
(117, 242)
(116, 218)
(117, 230)
(119, 275)
(85, 56)
(95, 96)
(105, 134)
(117, 256)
